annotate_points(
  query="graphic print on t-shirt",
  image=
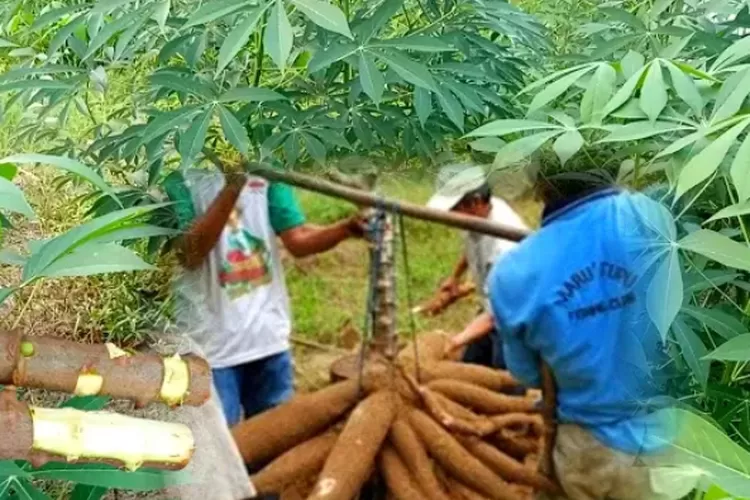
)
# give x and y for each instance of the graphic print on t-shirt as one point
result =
(245, 266)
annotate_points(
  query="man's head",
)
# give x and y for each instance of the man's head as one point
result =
(560, 187)
(463, 189)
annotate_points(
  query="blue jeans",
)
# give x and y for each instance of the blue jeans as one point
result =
(254, 387)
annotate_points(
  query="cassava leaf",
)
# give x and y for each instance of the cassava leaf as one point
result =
(503, 127)
(598, 93)
(705, 163)
(717, 247)
(279, 37)
(111, 477)
(693, 350)
(735, 349)
(370, 77)
(665, 293)
(96, 258)
(13, 199)
(325, 15)
(654, 95)
(192, 141)
(422, 104)
(408, 69)
(66, 164)
(567, 145)
(238, 37)
(325, 57)
(735, 97)
(451, 106)
(234, 132)
(735, 210)
(700, 444)
(625, 93)
(55, 248)
(722, 323)
(520, 149)
(250, 94)
(640, 130)
(685, 88)
(557, 88)
(419, 43)
(740, 170)
(213, 11)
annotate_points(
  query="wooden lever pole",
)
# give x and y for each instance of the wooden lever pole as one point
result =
(364, 198)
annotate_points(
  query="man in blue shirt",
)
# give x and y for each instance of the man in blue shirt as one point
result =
(573, 295)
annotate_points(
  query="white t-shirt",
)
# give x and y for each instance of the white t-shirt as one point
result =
(236, 305)
(482, 250)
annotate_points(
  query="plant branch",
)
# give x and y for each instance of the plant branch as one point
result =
(259, 55)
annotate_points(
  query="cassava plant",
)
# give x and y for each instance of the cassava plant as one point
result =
(660, 102)
(292, 81)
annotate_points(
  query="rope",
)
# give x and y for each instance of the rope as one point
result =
(375, 231)
(407, 286)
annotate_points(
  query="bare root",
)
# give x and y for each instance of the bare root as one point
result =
(507, 467)
(397, 477)
(489, 378)
(414, 455)
(354, 454)
(302, 461)
(277, 430)
(456, 460)
(483, 400)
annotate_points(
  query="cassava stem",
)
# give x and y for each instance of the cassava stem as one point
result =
(40, 435)
(88, 369)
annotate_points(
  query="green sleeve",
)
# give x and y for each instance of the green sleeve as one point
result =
(283, 208)
(178, 193)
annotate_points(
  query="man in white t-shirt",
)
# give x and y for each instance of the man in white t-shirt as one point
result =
(232, 293)
(464, 189)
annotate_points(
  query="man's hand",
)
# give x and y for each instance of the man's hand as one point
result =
(356, 225)
(450, 286)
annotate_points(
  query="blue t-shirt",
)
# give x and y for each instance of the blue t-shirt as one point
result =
(574, 294)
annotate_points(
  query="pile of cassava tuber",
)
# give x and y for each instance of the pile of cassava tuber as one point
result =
(434, 429)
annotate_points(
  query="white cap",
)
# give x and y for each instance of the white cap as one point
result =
(454, 182)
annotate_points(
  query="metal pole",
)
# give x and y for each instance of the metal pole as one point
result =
(364, 198)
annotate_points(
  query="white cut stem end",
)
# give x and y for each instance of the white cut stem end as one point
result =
(81, 435)
(176, 380)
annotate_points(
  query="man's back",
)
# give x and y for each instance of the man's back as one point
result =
(575, 294)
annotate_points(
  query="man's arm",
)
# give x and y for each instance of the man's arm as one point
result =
(481, 325)
(300, 238)
(198, 241)
(451, 284)
(309, 239)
